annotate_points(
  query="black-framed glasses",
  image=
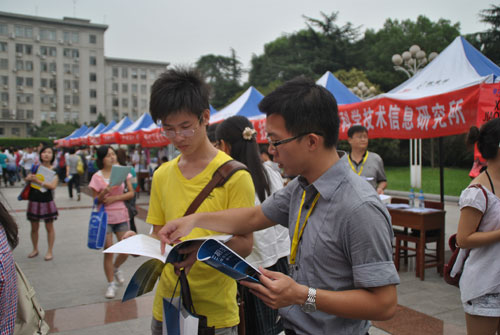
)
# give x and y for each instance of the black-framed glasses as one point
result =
(170, 134)
(275, 144)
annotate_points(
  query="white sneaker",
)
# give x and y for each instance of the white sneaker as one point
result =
(119, 277)
(111, 291)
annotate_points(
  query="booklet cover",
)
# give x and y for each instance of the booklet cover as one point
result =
(118, 174)
(144, 279)
(45, 175)
(224, 259)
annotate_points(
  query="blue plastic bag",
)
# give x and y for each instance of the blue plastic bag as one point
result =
(97, 227)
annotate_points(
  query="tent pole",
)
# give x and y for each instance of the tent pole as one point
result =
(441, 169)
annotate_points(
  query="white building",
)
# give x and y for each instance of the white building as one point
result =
(55, 70)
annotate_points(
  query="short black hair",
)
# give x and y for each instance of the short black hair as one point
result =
(357, 128)
(101, 152)
(53, 154)
(178, 90)
(487, 138)
(72, 150)
(306, 108)
(211, 132)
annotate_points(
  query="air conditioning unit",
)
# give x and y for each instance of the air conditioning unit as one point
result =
(19, 54)
(76, 60)
(75, 91)
(37, 39)
(77, 75)
(14, 70)
(54, 73)
(5, 87)
(115, 109)
(4, 104)
(115, 93)
(38, 53)
(134, 94)
(42, 89)
(20, 88)
(12, 36)
(61, 42)
(43, 57)
(67, 106)
(54, 105)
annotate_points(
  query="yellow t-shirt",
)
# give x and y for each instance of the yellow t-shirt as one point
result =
(213, 293)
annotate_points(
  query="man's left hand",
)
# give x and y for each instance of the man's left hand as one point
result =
(277, 289)
(190, 252)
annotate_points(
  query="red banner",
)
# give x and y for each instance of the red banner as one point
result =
(134, 137)
(440, 115)
(108, 138)
(154, 138)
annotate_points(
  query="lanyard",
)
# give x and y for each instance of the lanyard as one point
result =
(296, 235)
(362, 164)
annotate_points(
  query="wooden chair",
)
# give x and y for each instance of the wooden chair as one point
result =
(431, 255)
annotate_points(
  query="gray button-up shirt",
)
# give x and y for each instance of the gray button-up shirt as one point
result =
(346, 243)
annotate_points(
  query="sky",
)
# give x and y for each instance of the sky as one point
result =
(179, 32)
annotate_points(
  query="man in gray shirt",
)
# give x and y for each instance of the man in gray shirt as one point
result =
(342, 273)
(364, 163)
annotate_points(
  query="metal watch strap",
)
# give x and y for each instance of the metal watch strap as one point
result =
(311, 296)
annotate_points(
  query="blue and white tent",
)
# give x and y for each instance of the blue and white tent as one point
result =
(458, 66)
(341, 93)
(246, 105)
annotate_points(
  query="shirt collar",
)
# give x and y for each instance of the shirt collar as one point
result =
(329, 181)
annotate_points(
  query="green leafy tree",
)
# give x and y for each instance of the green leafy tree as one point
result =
(223, 74)
(490, 40)
(353, 77)
(375, 50)
(100, 119)
(53, 130)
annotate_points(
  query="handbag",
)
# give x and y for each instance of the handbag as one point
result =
(79, 166)
(455, 249)
(30, 317)
(97, 227)
(25, 192)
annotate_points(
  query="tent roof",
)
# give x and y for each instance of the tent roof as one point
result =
(341, 93)
(458, 66)
(123, 124)
(77, 133)
(246, 105)
(97, 130)
(109, 126)
(144, 122)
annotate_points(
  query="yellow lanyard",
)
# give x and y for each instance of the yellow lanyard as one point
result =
(296, 235)
(362, 164)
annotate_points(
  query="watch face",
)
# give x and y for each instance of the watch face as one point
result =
(309, 307)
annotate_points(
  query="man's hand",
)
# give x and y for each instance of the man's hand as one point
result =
(190, 252)
(128, 233)
(173, 230)
(277, 289)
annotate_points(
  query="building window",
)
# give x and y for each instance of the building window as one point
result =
(124, 102)
(93, 60)
(52, 67)
(67, 84)
(24, 49)
(67, 68)
(43, 115)
(53, 116)
(116, 103)
(2, 131)
(92, 39)
(143, 73)
(93, 109)
(144, 103)
(134, 88)
(28, 81)
(76, 84)
(19, 65)
(4, 80)
(115, 88)
(124, 72)
(93, 76)
(93, 93)
(29, 114)
(52, 84)
(19, 81)
(3, 46)
(4, 97)
(67, 116)
(4, 63)
(20, 114)
(125, 88)
(67, 99)
(144, 89)
(76, 99)
(134, 102)
(4, 29)
(71, 36)
(16, 131)
(5, 114)
(28, 65)
(152, 74)
(75, 68)
(47, 34)
(23, 31)
(133, 73)
(44, 67)
(115, 72)
(44, 82)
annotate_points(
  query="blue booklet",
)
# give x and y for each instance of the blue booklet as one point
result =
(118, 174)
(144, 279)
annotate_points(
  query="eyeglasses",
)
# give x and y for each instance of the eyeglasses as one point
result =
(170, 134)
(275, 144)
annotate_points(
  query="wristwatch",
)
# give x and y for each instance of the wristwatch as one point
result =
(310, 305)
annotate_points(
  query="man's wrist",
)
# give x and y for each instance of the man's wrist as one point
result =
(302, 293)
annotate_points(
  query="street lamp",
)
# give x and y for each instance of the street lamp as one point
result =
(411, 61)
(363, 91)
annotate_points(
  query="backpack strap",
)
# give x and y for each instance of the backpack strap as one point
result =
(219, 178)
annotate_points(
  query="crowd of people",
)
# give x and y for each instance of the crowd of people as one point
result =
(306, 214)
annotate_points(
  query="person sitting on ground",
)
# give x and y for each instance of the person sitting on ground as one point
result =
(364, 163)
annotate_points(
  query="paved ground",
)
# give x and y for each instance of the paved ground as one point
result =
(71, 286)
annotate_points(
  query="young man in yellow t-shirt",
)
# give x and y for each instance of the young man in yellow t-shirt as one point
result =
(179, 99)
